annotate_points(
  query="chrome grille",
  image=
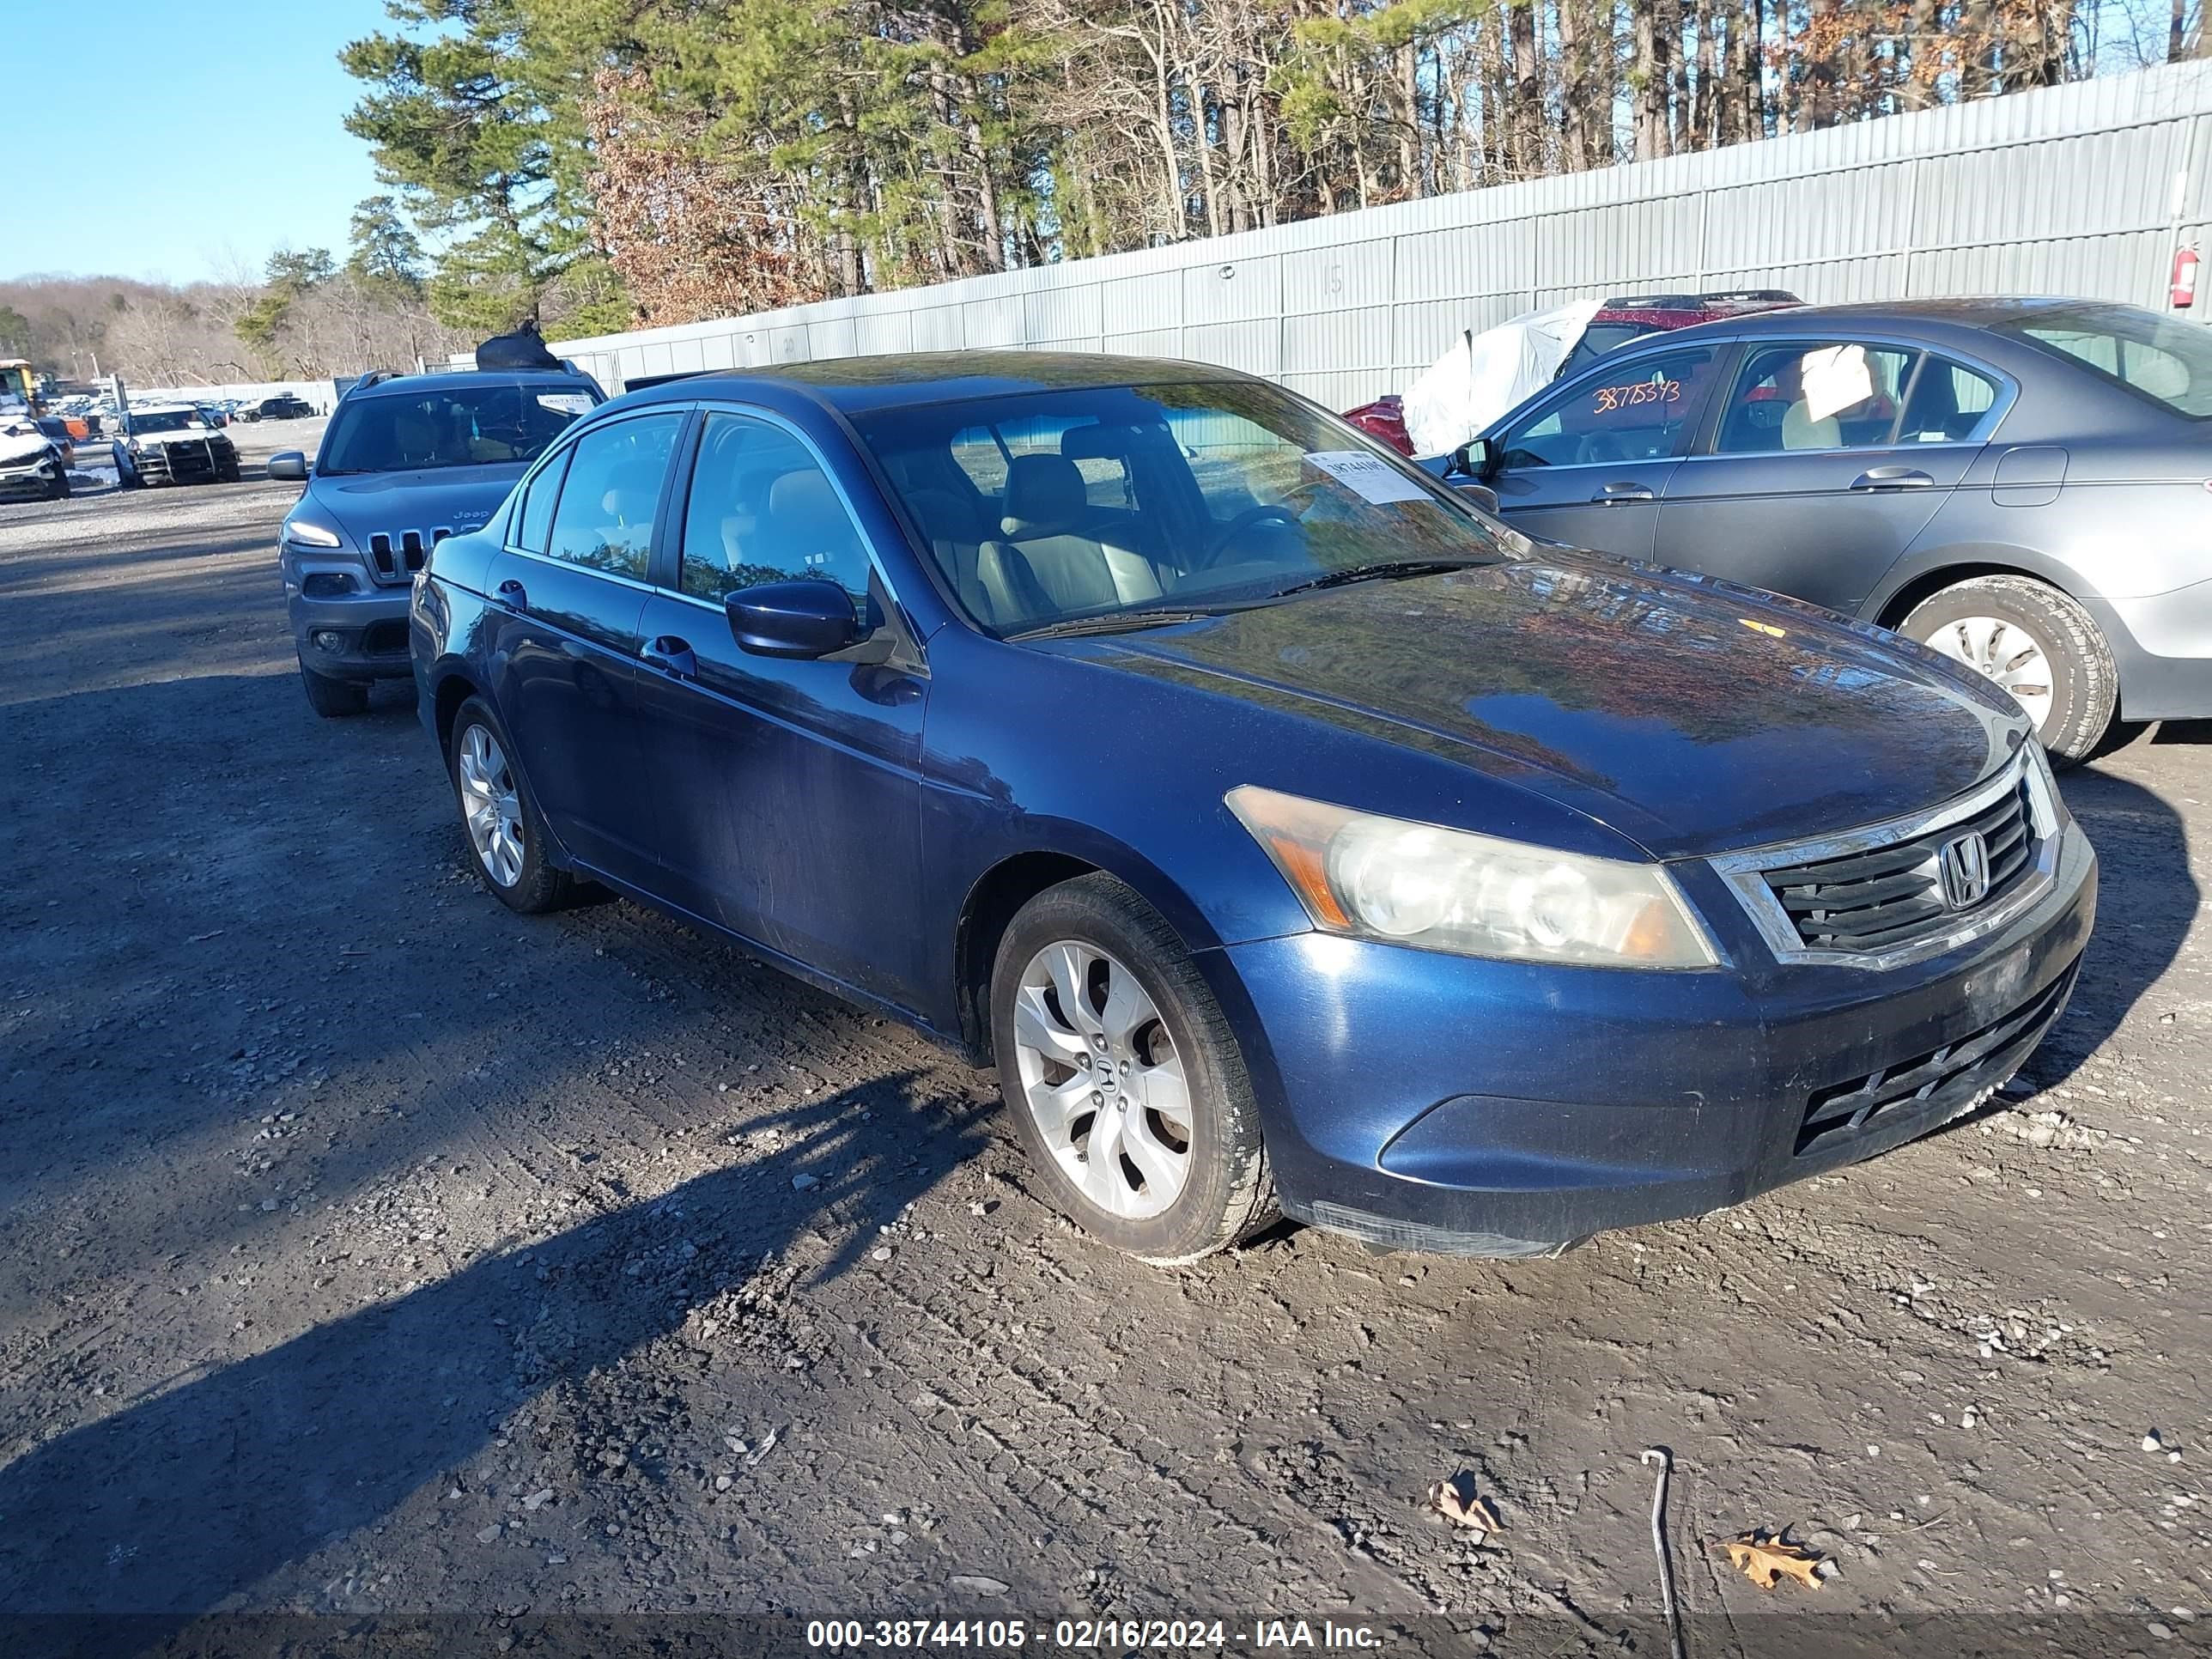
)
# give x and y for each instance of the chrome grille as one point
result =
(1881, 896)
(1893, 895)
(397, 555)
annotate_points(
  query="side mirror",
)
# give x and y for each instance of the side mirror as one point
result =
(802, 619)
(289, 465)
(1481, 495)
(1476, 459)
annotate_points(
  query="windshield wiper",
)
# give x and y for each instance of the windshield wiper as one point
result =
(1382, 570)
(1113, 622)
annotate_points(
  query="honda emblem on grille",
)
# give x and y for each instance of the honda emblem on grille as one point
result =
(1964, 867)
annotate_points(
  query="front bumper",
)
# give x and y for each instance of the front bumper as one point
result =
(356, 635)
(199, 461)
(1449, 1104)
(36, 480)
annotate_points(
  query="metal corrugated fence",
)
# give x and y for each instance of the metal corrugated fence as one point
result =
(2079, 190)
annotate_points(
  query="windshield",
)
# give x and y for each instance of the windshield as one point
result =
(2167, 363)
(1103, 500)
(172, 420)
(456, 426)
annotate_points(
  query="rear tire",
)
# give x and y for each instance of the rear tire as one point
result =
(2084, 686)
(334, 699)
(1214, 1163)
(506, 837)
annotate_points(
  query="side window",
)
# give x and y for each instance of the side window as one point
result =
(1950, 404)
(762, 510)
(1837, 395)
(534, 522)
(604, 519)
(1637, 412)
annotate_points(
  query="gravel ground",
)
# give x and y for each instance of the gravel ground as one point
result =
(365, 1247)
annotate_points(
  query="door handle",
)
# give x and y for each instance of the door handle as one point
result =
(671, 655)
(512, 595)
(1615, 493)
(1892, 477)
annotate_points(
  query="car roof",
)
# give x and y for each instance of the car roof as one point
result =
(400, 384)
(856, 384)
(1936, 317)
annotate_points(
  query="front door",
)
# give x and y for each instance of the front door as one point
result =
(1588, 464)
(572, 604)
(788, 795)
(1829, 457)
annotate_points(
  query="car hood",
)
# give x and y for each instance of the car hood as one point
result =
(458, 499)
(190, 436)
(22, 449)
(1691, 716)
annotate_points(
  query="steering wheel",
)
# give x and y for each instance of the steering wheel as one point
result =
(1282, 510)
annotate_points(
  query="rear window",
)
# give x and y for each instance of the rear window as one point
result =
(2165, 362)
(1600, 338)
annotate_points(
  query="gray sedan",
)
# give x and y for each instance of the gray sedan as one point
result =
(2020, 485)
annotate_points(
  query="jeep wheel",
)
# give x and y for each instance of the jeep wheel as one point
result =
(2039, 645)
(1123, 1078)
(333, 699)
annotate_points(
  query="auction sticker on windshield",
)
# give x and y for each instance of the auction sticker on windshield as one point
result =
(1372, 478)
(565, 403)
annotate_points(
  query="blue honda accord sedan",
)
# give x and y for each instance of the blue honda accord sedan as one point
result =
(1290, 835)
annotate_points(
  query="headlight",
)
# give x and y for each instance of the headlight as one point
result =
(309, 533)
(1374, 877)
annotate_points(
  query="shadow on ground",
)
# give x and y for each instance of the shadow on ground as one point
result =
(183, 1498)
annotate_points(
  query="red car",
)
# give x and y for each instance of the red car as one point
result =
(1619, 320)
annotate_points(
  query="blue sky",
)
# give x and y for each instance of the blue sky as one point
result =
(184, 138)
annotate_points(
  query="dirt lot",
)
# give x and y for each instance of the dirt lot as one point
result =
(364, 1247)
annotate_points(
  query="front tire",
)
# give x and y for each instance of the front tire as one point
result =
(1124, 1080)
(333, 699)
(505, 835)
(2037, 643)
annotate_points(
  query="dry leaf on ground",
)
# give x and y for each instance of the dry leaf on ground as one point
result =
(1766, 1557)
(1457, 1501)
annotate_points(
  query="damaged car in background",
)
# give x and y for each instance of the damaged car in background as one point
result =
(33, 465)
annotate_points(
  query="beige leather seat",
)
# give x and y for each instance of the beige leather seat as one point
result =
(956, 535)
(1052, 548)
(1800, 431)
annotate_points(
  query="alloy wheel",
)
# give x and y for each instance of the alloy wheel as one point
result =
(2004, 652)
(1100, 1077)
(490, 805)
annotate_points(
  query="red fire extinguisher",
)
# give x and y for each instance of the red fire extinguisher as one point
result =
(2183, 289)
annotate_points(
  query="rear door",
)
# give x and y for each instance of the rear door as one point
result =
(571, 588)
(1826, 458)
(1587, 463)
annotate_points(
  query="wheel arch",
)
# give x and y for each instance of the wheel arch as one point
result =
(452, 688)
(997, 894)
(1955, 565)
